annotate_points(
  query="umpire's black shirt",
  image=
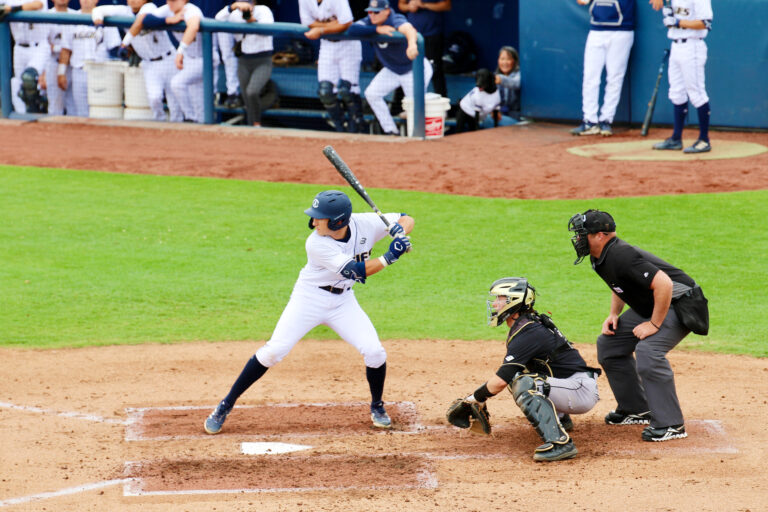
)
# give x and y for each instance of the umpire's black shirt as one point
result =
(628, 271)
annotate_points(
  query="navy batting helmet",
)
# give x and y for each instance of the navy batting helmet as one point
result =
(332, 205)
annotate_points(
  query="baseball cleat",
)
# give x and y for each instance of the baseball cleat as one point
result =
(379, 416)
(215, 421)
(664, 433)
(669, 143)
(625, 418)
(700, 146)
(549, 452)
(566, 422)
(586, 128)
(605, 129)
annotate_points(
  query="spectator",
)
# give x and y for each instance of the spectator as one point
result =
(254, 66)
(508, 81)
(479, 103)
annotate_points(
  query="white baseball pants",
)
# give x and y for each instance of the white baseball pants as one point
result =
(607, 49)
(387, 81)
(58, 100)
(340, 60)
(187, 87)
(686, 72)
(157, 79)
(23, 58)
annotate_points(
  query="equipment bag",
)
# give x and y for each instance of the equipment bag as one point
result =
(692, 310)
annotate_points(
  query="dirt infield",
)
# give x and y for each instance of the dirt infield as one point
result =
(120, 428)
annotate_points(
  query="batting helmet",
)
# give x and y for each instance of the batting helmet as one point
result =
(520, 297)
(332, 205)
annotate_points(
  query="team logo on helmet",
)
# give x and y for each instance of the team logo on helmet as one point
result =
(315, 203)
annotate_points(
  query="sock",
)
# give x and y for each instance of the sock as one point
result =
(376, 378)
(679, 119)
(252, 372)
(704, 112)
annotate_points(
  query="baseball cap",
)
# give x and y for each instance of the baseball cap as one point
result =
(596, 221)
(377, 5)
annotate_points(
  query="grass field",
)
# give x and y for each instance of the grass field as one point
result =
(98, 258)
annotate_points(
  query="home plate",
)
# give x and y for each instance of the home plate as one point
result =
(271, 448)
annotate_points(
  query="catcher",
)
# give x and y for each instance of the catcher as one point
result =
(544, 372)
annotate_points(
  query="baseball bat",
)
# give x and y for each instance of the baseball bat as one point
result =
(652, 102)
(348, 175)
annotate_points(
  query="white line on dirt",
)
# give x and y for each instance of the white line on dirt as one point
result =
(65, 414)
(63, 492)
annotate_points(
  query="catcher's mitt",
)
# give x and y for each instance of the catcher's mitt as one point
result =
(285, 59)
(472, 415)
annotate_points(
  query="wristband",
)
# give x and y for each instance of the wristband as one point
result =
(61, 70)
(383, 261)
(182, 47)
(482, 394)
(653, 324)
(127, 39)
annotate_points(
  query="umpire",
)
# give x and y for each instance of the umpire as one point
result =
(644, 388)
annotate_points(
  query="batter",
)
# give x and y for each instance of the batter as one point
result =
(688, 22)
(338, 252)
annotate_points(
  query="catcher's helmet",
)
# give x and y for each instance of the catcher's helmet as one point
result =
(583, 224)
(520, 297)
(332, 205)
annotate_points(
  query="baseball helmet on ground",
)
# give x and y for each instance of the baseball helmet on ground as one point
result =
(332, 205)
(520, 297)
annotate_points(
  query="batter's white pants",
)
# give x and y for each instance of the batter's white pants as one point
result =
(157, 79)
(187, 87)
(310, 307)
(575, 395)
(226, 42)
(686, 72)
(340, 60)
(58, 100)
(79, 89)
(607, 49)
(387, 81)
(23, 58)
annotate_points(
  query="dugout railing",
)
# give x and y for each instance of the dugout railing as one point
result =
(207, 28)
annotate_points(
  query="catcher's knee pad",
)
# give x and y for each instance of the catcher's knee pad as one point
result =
(539, 410)
(325, 93)
(345, 91)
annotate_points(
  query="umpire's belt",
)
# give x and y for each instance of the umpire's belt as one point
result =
(335, 291)
(155, 59)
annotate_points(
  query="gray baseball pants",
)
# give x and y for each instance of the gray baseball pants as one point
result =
(638, 371)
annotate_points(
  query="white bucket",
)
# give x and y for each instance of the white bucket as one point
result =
(138, 114)
(105, 83)
(135, 88)
(435, 109)
(99, 112)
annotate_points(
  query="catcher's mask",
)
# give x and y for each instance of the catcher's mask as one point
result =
(583, 224)
(332, 205)
(519, 298)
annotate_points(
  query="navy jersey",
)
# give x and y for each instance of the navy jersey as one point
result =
(426, 22)
(612, 15)
(391, 53)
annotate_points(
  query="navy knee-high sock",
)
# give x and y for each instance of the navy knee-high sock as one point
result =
(704, 112)
(252, 372)
(679, 119)
(376, 378)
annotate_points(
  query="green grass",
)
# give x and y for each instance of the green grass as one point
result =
(96, 258)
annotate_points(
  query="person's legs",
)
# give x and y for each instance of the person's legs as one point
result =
(433, 50)
(594, 62)
(382, 84)
(617, 55)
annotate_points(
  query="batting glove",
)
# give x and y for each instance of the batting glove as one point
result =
(671, 21)
(396, 230)
(667, 11)
(397, 248)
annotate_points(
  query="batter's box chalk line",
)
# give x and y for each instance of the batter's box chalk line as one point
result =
(63, 492)
(407, 416)
(63, 414)
(425, 478)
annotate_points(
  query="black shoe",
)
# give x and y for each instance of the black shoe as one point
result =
(625, 418)
(234, 102)
(549, 452)
(566, 422)
(664, 433)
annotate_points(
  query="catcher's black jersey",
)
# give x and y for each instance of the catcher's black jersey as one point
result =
(534, 348)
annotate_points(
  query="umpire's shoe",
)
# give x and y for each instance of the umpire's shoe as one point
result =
(550, 452)
(586, 128)
(669, 143)
(625, 418)
(215, 421)
(700, 146)
(664, 433)
(379, 416)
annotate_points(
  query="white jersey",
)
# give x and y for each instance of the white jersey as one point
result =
(324, 11)
(26, 33)
(190, 11)
(477, 101)
(251, 43)
(326, 257)
(89, 43)
(149, 44)
(690, 10)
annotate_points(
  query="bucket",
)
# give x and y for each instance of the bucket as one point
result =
(99, 112)
(435, 108)
(105, 83)
(135, 88)
(138, 114)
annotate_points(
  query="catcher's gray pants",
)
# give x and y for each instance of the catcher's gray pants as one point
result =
(647, 384)
(576, 394)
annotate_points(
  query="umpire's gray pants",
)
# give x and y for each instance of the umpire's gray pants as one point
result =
(647, 384)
